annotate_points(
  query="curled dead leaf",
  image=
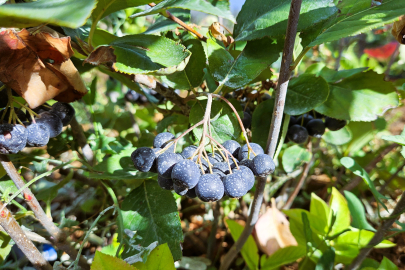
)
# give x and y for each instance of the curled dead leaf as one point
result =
(38, 67)
(398, 30)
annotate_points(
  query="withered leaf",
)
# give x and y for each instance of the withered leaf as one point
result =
(38, 66)
(398, 30)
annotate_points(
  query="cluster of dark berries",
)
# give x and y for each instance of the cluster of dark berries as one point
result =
(210, 178)
(136, 98)
(300, 127)
(32, 132)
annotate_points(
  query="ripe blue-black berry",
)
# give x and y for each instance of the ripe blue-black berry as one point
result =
(154, 166)
(186, 174)
(143, 158)
(52, 122)
(293, 121)
(247, 120)
(315, 128)
(235, 185)
(297, 134)
(245, 162)
(180, 190)
(165, 183)
(243, 151)
(65, 111)
(166, 162)
(188, 151)
(37, 135)
(191, 193)
(307, 118)
(13, 138)
(263, 165)
(334, 124)
(221, 168)
(210, 188)
(232, 147)
(162, 139)
(214, 158)
(247, 175)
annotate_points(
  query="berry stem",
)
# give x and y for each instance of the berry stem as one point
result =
(226, 151)
(186, 132)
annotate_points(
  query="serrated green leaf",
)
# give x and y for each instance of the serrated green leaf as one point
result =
(357, 212)
(339, 137)
(106, 7)
(284, 256)
(224, 124)
(247, 66)
(294, 156)
(163, 24)
(261, 120)
(152, 212)
(305, 93)
(250, 252)
(192, 76)
(56, 12)
(211, 7)
(357, 20)
(159, 259)
(339, 208)
(361, 97)
(106, 262)
(258, 19)
(142, 54)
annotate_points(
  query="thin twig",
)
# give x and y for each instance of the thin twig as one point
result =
(11, 226)
(274, 129)
(57, 236)
(78, 135)
(379, 235)
(342, 42)
(212, 238)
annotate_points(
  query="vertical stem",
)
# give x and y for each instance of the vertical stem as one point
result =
(11, 226)
(274, 129)
(81, 139)
(379, 235)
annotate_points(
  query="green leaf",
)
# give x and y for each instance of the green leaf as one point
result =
(224, 124)
(174, 119)
(358, 239)
(106, 7)
(2, 171)
(210, 7)
(399, 139)
(294, 156)
(152, 212)
(247, 66)
(386, 264)
(159, 259)
(327, 261)
(68, 13)
(307, 230)
(305, 93)
(340, 137)
(261, 120)
(319, 208)
(260, 18)
(352, 165)
(318, 226)
(192, 76)
(284, 256)
(357, 212)
(142, 54)
(361, 97)
(338, 207)
(250, 252)
(331, 75)
(163, 24)
(106, 262)
(357, 20)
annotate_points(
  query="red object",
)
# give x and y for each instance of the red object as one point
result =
(383, 52)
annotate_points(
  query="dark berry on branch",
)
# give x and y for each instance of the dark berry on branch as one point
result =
(203, 162)
(244, 153)
(180, 190)
(235, 185)
(247, 120)
(131, 96)
(143, 158)
(186, 174)
(38, 110)
(210, 188)
(315, 128)
(297, 134)
(162, 139)
(306, 117)
(154, 166)
(334, 124)
(262, 165)
(37, 135)
(245, 162)
(52, 122)
(13, 138)
(247, 175)
(232, 147)
(191, 193)
(166, 162)
(165, 183)
(214, 158)
(293, 121)
(188, 151)
(65, 111)
(221, 168)
(20, 114)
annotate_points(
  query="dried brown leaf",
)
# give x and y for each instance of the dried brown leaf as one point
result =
(398, 30)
